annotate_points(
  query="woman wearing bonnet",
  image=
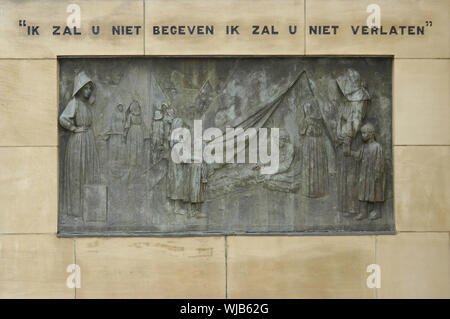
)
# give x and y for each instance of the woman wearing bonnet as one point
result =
(81, 164)
(351, 114)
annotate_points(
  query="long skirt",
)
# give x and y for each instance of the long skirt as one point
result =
(81, 167)
(347, 175)
(178, 181)
(115, 148)
(197, 188)
(135, 145)
(314, 167)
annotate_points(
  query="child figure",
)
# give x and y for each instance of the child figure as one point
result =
(371, 174)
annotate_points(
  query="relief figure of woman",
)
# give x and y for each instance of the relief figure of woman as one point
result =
(81, 163)
(314, 160)
(351, 113)
(134, 135)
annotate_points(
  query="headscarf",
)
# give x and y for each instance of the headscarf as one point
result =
(352, 86)
(158, 113)
(81, 79)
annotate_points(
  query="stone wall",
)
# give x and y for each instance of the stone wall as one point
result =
(33, 260)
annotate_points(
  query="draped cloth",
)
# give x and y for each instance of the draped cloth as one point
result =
(298, 92)
(264, 112)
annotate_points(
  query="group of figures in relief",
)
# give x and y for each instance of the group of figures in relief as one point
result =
(360, 172)
(125, 141)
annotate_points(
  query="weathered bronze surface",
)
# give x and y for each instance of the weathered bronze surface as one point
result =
(117, 173)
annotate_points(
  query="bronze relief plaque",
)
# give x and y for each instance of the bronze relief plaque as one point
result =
(163, 146)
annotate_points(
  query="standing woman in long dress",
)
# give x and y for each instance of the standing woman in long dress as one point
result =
(158, 137)
(314, 154)
(352, 111)
(114, 133)
(81, 164)
(177, 174)
(134, 134)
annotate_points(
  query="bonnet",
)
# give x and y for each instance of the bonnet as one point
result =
(352, 86)
(81, 79)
